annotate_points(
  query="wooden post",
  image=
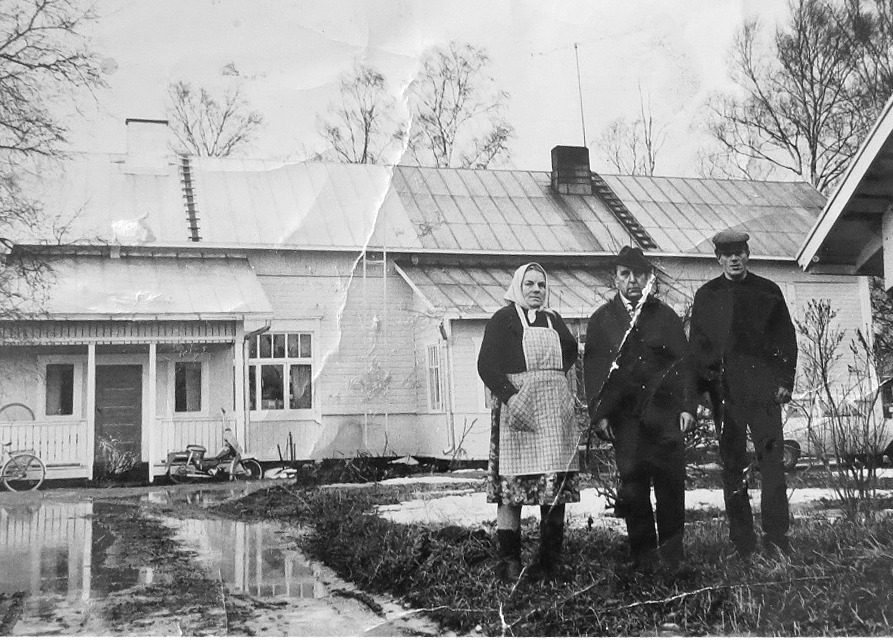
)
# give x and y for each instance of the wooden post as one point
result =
(91, 408)
(887, 236)
(151, 403)
(239, 406)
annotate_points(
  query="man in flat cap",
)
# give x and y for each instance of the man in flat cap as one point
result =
(745, 351)
(642, 407)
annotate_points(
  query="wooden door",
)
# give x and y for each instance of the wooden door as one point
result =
(119, 413)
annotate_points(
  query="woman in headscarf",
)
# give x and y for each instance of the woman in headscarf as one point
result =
(525, 355)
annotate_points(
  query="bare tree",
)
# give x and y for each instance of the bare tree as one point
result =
(457, 118)
(210, 126)
(631, 146)
(360, 127)
(45, 61)
(798, 107)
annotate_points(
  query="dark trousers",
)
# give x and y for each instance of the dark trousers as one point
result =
(643, 460)
(763, 417)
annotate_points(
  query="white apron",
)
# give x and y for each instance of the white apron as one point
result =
(542, 436)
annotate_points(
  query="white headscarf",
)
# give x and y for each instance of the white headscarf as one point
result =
(515, 294)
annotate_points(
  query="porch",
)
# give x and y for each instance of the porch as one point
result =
(64, 448)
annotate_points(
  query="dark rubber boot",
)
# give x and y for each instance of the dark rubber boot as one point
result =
(551, 542)
(508, 553)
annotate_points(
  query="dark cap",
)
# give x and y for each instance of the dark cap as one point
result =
(633, 258)
(730, 240)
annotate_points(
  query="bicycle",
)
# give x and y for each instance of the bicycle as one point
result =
(23, 470)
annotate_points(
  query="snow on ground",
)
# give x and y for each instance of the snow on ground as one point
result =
(459, 507)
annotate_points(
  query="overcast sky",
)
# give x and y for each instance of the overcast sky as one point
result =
(289, 54)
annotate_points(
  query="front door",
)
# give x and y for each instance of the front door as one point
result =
(119, 413)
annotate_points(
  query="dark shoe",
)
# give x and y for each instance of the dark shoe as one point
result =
(508, 554)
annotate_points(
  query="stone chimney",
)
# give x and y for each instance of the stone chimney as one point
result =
(570, 170)
(148, 145)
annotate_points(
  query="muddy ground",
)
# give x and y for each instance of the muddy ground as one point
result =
(158, 561)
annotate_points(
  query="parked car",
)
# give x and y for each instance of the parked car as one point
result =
(849, 429)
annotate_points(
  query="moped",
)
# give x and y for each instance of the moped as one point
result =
(190, 465)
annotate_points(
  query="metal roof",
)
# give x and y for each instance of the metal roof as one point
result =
(476, 292)
(682, 214)
(92, 287)
(262, 204)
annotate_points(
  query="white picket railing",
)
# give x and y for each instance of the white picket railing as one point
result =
(55, 442)
(175, 434)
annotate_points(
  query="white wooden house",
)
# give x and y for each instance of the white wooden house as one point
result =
(336, 307)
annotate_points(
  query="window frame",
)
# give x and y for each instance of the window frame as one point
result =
(77, 402)
(311, 413)
(437, 368)
(205, 396)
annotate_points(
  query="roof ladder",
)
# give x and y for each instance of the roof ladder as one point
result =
(189, 197)
(632, 225)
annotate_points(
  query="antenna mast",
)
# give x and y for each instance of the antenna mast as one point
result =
(580, 91)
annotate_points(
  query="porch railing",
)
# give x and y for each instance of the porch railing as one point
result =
(55, 442)
(175, 434)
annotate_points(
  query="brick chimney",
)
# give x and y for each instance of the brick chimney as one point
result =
(570, 170)
(148, 144)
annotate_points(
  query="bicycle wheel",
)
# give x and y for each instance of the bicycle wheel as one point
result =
(248, 470)
(178, 474)
(23, 472)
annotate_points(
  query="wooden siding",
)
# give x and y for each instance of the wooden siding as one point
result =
(114, 332)
(368, 365)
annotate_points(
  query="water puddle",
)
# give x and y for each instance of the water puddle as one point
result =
(106, 568)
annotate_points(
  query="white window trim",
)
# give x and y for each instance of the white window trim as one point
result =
(311, 327)
(440, 379)
(204, 411)
(77, 403)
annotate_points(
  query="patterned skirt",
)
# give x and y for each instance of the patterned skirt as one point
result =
(526, 489)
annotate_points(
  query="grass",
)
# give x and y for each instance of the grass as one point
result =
(839, 581)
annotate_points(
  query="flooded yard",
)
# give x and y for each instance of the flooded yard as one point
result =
(155, 562)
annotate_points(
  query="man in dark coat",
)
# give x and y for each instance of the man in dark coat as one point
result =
(643, 406)
(745, 350)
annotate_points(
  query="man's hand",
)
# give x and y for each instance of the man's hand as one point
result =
(783, 395)
(686, 422)
(603, 429)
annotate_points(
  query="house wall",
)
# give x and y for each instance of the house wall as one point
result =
(364, 373)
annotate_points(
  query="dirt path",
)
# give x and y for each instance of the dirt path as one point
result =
(156, 562)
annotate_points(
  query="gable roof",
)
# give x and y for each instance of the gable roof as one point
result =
(848, 230)
(264, 204)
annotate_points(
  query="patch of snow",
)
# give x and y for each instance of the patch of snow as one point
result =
(472, 510)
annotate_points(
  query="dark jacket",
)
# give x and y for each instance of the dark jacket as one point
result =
(502, 349)
(741, 333)
(653, 381)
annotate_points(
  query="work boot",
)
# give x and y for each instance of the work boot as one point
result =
(508, 554)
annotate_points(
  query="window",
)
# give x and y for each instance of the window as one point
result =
(283, 362)
(187, 386)
(435, 386)
(60, 390)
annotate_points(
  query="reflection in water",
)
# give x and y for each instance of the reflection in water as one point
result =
(64, 549)
(251, 558)
(46, 549)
